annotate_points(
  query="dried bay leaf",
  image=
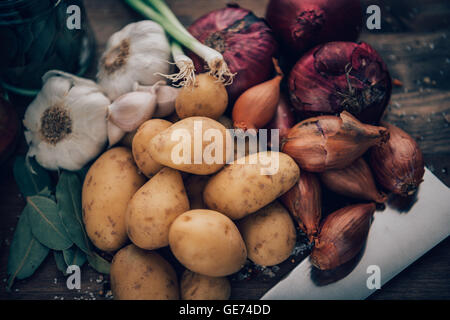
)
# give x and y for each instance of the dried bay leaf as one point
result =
(46, 224)
(60, 263)
(68, 195)
(98, 263)
(74, 256)
(30, 183)
(26, 252)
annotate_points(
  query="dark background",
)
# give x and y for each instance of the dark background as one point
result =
(414, 42)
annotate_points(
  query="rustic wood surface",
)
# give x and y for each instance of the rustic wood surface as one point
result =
(414, 43)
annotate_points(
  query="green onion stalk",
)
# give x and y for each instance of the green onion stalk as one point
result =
(159, 12)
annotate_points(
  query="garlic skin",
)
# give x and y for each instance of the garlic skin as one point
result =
(66, 123)
(165, 98)
(140, 52)
(115, 134)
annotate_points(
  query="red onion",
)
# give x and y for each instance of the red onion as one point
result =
(339, 76)
(245, 41)
(284, 118)
(303, 24)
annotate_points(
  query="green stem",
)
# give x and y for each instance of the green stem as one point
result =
(165, 11)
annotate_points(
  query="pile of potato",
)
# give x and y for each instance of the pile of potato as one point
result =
(213, 216)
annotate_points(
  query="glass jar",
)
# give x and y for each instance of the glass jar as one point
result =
(40, 35)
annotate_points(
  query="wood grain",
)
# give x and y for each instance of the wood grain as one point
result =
(413, 41)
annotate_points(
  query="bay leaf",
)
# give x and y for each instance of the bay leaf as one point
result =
(68, 196)
(60, 263)
(46, 224)
(26, 252)
(30, 183)
(74, 256)
(98, 263)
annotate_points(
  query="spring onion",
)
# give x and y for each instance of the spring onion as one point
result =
(215, 61)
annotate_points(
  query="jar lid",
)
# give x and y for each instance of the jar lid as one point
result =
(20, 11)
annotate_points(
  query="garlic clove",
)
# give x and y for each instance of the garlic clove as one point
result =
(165, 97)
(354, 181)
(342, 236)
(132, 109)
(115, 134)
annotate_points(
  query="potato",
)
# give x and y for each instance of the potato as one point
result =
(241, 189)
(207, 98)
(108, 187)
(207, 242)
(141, 142)
(175, 147)
(269, 235)
(194, 286)
(194, 189)
(154, 207)
(142, 275)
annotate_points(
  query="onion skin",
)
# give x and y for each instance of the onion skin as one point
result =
(339, 76)
(284, 118)
(354, 181)
(330, 142)
(303, 24)
(9, 127)
(256, 106)
(245, 41)
(398, 165)
(342, 236)
(304, 202)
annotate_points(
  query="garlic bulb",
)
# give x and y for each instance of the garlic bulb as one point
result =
(66, 122)
(139, 52)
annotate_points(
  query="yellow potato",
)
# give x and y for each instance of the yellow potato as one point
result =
(141, 143)
(137, 274)
(207, 242)
(175, 147)
(108, 187)
(154, 207)
(241, 189)
(269, 235)
(194, 286)
(194, 189)
(206, 98)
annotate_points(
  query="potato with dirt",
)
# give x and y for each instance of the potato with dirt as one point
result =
(108, 187)
(269, 235)
(194, 286)
(154, 207)
(195, 145)
(248, 184)
(207, 242)
(137, 274)
(141, 142)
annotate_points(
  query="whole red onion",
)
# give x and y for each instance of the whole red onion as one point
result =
(303, 24)
(339, 76)
(245, 41)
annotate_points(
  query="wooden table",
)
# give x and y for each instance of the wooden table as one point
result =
(414, 41)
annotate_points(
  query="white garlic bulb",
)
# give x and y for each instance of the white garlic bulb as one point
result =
(139, 52)
(66, 123)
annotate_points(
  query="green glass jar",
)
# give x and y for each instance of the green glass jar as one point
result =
(40, 35)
